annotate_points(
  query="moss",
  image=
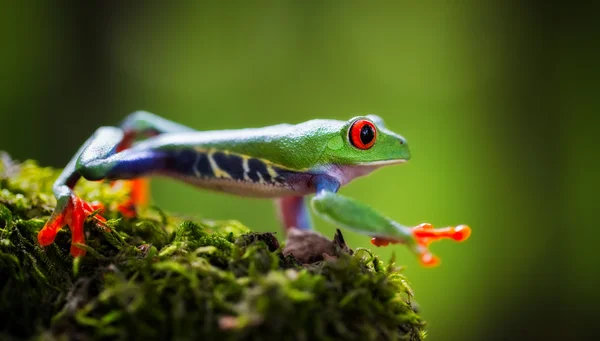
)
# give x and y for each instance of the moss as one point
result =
(159, 277)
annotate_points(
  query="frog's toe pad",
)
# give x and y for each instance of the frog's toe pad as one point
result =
(428, 259)
(461, 233)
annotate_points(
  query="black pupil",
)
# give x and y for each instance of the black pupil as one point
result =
(367, 134)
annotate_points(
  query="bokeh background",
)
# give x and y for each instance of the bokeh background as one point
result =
(497, 100)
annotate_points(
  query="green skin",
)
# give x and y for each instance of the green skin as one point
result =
(314, 157)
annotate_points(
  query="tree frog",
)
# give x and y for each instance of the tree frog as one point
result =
(285, 162)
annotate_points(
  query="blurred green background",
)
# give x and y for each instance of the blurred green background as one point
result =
(496, 100)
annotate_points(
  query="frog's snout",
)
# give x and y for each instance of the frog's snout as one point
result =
(404, 150)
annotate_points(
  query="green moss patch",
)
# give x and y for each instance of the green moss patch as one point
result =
(164, 277)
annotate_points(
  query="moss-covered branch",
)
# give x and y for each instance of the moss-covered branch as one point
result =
(160, 277)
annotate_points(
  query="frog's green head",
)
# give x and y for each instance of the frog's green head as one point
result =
(365, 141)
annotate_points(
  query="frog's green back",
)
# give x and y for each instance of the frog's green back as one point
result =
(297, 147)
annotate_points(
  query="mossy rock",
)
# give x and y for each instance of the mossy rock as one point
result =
(163, 277)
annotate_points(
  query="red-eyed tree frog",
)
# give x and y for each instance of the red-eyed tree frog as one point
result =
(285, 162)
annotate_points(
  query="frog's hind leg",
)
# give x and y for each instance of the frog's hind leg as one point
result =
(97, 159)
(140, 125)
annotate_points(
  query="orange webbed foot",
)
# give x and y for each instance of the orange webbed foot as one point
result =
(425, 234)
(73, 214)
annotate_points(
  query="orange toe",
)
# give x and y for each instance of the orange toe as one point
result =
(429, 260)
(48, 232)
(380, 242)
(461, 233)
(425, 233)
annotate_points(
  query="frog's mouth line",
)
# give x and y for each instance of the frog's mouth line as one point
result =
(346, 173)
(382, 162)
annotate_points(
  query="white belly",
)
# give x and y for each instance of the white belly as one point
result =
(244, 188)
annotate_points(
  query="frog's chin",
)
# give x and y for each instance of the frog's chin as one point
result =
(347, 173)
(381, 163)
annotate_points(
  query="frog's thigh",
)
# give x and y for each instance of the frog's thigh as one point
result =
(127, 164)
(99, 158)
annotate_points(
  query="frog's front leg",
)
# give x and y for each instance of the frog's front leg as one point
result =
(97, 159)
(359, 217)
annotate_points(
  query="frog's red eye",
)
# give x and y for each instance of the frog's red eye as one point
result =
(363, 134)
